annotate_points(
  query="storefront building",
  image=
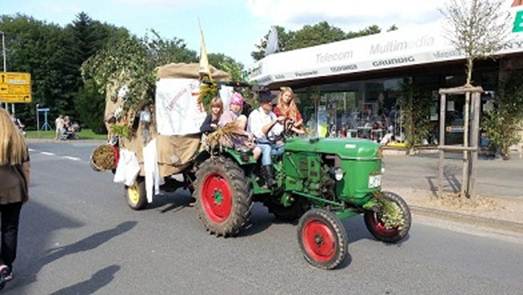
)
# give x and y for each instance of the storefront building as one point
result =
(354, 87)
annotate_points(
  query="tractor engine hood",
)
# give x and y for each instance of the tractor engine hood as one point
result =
(345, 148)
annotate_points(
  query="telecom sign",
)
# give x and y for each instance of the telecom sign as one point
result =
(15, 87)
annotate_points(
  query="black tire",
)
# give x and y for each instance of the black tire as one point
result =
(376, 228)
(135, 195)
(322, 225)
(227, 220)
(288, 214)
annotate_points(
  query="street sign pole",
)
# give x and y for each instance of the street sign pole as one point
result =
(37, 118)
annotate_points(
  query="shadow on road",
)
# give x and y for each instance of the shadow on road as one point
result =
(33, 238)
(450, 180)
(97, 281)
(89, 243)
(260, 220)
(169, 201)
(29, 275)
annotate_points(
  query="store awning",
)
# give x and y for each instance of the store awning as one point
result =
(423, 44)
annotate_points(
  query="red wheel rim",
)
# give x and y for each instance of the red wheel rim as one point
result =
(319, 240)
(216, 198)
(379, 227)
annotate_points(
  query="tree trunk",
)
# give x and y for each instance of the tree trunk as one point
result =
(470, 66)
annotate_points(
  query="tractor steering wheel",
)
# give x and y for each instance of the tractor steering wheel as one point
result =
(288, 124)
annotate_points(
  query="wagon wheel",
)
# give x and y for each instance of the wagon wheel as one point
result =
(222, 196)
(377, 228)
(322, 238)
(135, 194)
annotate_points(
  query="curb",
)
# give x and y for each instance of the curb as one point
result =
(492, 223)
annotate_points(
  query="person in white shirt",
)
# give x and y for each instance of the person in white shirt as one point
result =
(60, 126)
(265, 125)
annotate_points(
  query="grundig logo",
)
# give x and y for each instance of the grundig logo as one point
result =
(393, 61)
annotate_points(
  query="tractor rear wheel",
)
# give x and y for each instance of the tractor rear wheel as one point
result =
(222, 196)
(322, 238)
(377, 227)
(135, 194)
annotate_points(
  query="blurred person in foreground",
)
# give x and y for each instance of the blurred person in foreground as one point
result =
(14, 175)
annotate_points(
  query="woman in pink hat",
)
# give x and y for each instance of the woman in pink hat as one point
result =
(234, 115)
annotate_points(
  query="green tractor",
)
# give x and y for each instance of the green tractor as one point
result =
(318, 181)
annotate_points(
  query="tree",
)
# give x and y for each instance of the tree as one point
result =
(392, 28)
(503, 121)
(227, 64)
(477, 28)
(284, 39)
(317, 34)
(37, 47)
(415, 111)
(311, 35)
(162, 51)
(370, 30)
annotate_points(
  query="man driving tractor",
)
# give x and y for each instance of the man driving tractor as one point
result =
(266, 127)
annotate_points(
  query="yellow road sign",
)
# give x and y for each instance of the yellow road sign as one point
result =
(15, 87)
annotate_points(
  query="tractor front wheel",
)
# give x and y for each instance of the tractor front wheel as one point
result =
(222, 196)
(376, 225)
(323, 239)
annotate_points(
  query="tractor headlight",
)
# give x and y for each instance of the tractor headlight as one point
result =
(338, 174)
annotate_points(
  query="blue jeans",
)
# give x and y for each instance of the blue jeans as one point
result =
(269, 150)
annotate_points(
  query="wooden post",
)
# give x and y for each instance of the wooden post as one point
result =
(465, 175)
(476, 102)
(442, 108)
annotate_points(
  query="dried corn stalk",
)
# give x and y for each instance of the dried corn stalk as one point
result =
(222, 137)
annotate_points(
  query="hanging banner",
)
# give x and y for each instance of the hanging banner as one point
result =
(15, 87)
(177, 109)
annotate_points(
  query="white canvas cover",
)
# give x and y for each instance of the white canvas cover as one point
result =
(177, 109)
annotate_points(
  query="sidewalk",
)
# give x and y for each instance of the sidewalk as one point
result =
(500, 187)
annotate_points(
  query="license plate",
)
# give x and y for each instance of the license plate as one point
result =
(374, 181)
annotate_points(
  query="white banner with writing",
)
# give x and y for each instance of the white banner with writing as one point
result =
(177, 110)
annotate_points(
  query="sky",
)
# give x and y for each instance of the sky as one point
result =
(231, 27)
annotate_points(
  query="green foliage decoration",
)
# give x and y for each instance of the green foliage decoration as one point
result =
(415, 107)
(121, 130)
(391, 214)
(503, 122)
(208, 91)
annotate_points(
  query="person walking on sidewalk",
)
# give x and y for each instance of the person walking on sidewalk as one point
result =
(14, 175)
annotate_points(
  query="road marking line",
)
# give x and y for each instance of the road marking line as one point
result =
(72, 158)
(31, 150)
(47, 153)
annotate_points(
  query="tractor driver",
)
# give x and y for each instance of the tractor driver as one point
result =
(265, 125)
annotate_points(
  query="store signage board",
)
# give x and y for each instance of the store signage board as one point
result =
(15, 87)
(422, 44)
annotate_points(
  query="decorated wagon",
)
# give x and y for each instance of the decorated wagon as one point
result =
(318, 181)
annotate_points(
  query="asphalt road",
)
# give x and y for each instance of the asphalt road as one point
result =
(78, 236)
